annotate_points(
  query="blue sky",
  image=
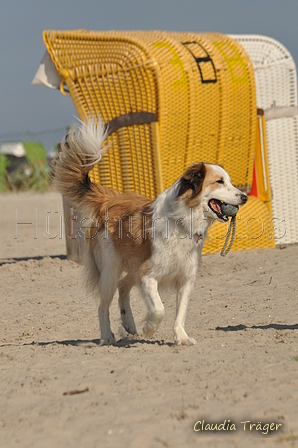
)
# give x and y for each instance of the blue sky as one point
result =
(24, 107)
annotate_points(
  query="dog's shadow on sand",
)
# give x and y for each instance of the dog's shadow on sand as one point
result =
(36, 258)
(130, 342)
(89, 343)
(258, 327)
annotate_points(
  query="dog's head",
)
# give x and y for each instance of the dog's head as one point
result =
(209, 186)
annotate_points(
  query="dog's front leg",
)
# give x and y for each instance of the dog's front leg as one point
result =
(154, 304)
(183, 296)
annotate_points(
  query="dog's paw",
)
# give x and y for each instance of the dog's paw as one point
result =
(129, 324)
(107, 341)
(152, 323)
(181, 338)
(130, 329)
(149, 329)
(186, 341)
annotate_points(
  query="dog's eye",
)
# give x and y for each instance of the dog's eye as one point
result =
(220, 181)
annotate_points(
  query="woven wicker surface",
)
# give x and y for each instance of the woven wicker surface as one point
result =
(275, 70)
(206, 109)
(255, 224)
(238, 103)
(276, 83)
(109, 75)
(201, 86)
(215, 78)
(282, 140)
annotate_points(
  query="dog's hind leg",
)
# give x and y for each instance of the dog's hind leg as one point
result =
(109, 270)
(124, 287)
(154, 304)
(107, 291)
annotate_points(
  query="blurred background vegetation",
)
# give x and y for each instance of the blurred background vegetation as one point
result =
(26, 159)
(24, 166)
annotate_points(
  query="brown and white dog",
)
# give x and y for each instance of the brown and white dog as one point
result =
(139, 242)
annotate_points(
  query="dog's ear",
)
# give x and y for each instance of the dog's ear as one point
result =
(192, 179)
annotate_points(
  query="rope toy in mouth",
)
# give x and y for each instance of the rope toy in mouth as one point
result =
(229, 211)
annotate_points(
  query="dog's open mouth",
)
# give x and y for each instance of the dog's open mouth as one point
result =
(215, 206)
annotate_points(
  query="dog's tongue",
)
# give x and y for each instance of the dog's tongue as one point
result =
(215, 206)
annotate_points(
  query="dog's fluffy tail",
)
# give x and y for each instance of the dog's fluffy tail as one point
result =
(81, 149)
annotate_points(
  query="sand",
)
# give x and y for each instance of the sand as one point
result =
(142, 393)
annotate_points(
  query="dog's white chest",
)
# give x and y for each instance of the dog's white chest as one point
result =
(176, 258)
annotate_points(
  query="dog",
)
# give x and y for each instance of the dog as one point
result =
(137, 241)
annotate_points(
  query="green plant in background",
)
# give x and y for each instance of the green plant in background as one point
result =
(4, 164)
(33, 175)
(35, 152)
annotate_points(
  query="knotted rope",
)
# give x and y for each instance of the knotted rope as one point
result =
(232, 226)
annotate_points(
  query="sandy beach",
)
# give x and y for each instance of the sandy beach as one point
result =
(59, 388)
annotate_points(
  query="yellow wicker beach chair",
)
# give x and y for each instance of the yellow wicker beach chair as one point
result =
(170, 99)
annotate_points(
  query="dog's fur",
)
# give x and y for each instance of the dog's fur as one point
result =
(155, 243)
